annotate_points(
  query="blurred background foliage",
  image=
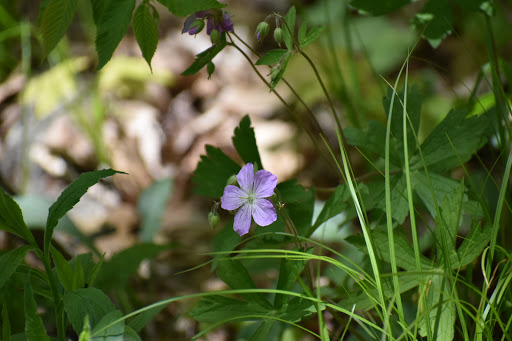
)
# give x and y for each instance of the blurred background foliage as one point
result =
(59, 116)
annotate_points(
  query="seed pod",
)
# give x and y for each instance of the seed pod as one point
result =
(278, 35)
(213, 219)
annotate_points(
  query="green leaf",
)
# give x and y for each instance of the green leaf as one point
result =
(212, 173)
(9, 262)
(441, 309)
(111, 27)
(140, 321)
(145, 27)
(334, 206)
(302, 32)
(472, 245)
(289, 271)
(447, 224)
(236, 276)
(86, 301)
(34, 328)
(213, 309)
(130, 334)
(116, 272)
(299, 203)
(78, 273)
(404, 251)
(183, 8)
(11, 218)
(263, 331)
(466, 134)
(290, 20)
(57, 17)
(282, 69)
(112, 333)
(69, 197)
(435, 21)
(378, 7)
(272, 57)
(399, 203)
(151, 205)
(6, 324)
(438, 185)
(313, 35)
(97, 10)
(203, 58)
(298, 309)
(226, 240)
(85, 335)
(64, 270)
(244, 141)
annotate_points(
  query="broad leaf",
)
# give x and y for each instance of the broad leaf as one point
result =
(34, 328)
(226, 240)
(151, 205)
(140, 321)
(433, 185)
(183, 8)
(466, 134)
(111, 27)
(334, 206)
(244, 141)
(145, 27)
(203, 58)
(290, 20)
(299, 203)
(214, 309)
(6, 324)
(9, 262)
(435, 21)
(282, 69)
(69, 197)
(11, 218)
(116, 272)
(64, 270)
(236, 276)
(312, 35)
(272, 57)
(97, 10)
(212, 173)
(378, 7)
(88, 301)
(57, 17)
(112, 333)
(472, 245)
(288, 273)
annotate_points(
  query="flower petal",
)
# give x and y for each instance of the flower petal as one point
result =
(264, 184)
(245, 178)
(233, 198)
(188, 22)
(264, 212)
(243, 219)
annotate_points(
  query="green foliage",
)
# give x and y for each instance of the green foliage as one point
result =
(289, 28)
(244, 141)
(151, 205)
(306, 39)
(378, 7)
(56, 18)
(10, 261)
(11, 218)
(272, 57)
(34, 328)
(184, 8)
(145, 27)
(204, 58)
(111, 27)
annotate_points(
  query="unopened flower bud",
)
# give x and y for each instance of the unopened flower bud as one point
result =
(232, 180)
(278, 35)
(262, 30)
(274, 72)
(196, 27)
(214, 36)
(213, 219)
(210, 68)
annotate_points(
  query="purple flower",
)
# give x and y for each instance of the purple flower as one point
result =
(250, 200)
(217, 19)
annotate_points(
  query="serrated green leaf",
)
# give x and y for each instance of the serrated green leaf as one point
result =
(226, 240)
(116, 272)
(112, 26)
(472, 245)
(212, 173)
(10, 261)
(441, 309)
(97, 10)
(11, 218)
(282, 69)
(301, 35)
(64, 270)
(183, 8)
(299, 203)
(34, 328)
(312, 35)
(145, 27)
(290, 20)
(466, 134)
(86, 301)
(236, 276)
(56, 18)
(426, 188)
(289, 271)
(130, 334)
(399, 203)
(335, 205)
(151, 206)
(263, 331)
(112, 333)
(298, 309)
(203, 58)
(244, 141)
(378, 7)
(272, 57)
(69, 197)
(435, 21)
